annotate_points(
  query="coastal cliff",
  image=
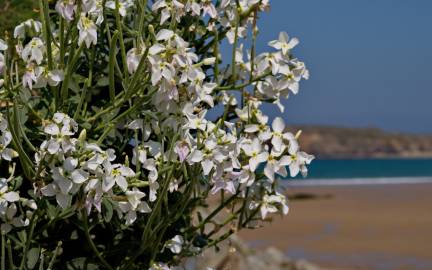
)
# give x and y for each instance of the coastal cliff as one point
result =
(338, 142)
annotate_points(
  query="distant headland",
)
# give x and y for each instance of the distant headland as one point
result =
(341, 142)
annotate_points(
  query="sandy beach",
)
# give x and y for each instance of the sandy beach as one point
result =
(373, 227)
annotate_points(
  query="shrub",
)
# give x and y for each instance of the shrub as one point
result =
(127, 143)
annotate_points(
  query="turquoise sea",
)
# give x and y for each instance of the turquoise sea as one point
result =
(367, 171)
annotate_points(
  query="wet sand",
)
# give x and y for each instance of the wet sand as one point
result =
(380, 227)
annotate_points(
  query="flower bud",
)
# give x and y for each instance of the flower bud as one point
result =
(298, 134)
(83, 136)
(151, 29)
(209, 61)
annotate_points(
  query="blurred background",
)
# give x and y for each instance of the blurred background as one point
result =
(366, 115)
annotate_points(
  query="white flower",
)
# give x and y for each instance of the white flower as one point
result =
(10, 220)
(182, 149)
(20, 30)
(209, 8)
(139, 155)
(271, 204)
(272, 166)
(116, 174)
(87, 31)
(2, 65)
(168, 8)
(159, 266)
(123, 6)
(264, 132)
(5, 140)
(296, 160)
(94, 193)
(134, 56)
(195, 121)
(33, 51)
(30, 77)
(94, 9)
(3, 45)
(63, 200)
(208, 157)
(284, 43)
(69, 173)
(60, 130)
(5, 194)
(175, 244)
(224, 181)
(133, 205)
(254, 151)
(46, 77)
(279, 135)
(99, 157)
(66, 8)
(134, 197)
(290, 78)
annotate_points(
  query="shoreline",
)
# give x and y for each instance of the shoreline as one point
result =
(355, 181)
(364, 227)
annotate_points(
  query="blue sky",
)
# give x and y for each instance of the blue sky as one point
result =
(370, 61)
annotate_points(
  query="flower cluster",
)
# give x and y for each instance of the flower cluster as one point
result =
(132, 132)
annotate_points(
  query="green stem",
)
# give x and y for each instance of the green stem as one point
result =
(3, 253)
(234, 48)
(10, 257)
(91, 243)
(243, 85)
(54, 257)
(122, 46)
(70, 68)
(216, 54)
(29, 239)
(43, 6)
(111, 65)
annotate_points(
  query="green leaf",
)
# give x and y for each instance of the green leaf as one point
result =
(104, 81)
(107, 209)
(51, 211)
(25, 94)
(32, 257)
(16, 182)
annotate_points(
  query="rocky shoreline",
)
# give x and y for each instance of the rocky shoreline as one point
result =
(339, 142)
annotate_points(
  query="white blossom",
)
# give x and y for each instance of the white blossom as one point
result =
(175, 244)
(116, 174)
(255, 152)
(20, 30)
(33, 51)
(87, 31)
(66, 8)
(284, 43)
(123, 6)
